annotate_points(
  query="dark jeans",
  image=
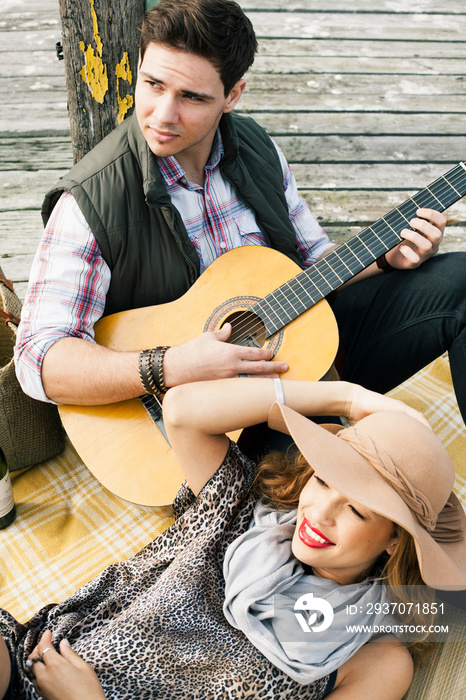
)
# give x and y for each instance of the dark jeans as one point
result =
(390, 326)
(394, 324)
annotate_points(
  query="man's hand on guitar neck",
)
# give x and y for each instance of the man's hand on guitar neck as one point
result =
(210, 356)
(421, 241)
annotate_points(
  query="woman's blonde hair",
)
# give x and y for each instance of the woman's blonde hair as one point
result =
(279, 480)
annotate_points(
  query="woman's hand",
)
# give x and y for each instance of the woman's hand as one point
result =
(64, 675)
(362, 402)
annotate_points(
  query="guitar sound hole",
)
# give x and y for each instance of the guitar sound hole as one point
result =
(247, 329)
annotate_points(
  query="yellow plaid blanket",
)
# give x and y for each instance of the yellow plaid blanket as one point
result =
(68, 528)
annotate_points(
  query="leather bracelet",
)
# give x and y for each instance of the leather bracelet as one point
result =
(145, 371)
(157, 368)
(383, 264)
(150, 365)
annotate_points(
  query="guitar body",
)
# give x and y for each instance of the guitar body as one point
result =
(120, 443)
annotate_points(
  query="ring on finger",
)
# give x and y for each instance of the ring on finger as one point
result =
(30, 662)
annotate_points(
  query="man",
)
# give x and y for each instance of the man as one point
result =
(181, 182)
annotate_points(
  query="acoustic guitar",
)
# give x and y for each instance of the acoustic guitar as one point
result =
(269, 301)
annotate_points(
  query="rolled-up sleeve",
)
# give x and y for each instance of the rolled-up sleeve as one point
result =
(66, 294)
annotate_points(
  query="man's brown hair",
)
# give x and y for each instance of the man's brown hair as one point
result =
(217, 30)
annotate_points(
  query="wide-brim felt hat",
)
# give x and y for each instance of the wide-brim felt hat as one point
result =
(396, 466)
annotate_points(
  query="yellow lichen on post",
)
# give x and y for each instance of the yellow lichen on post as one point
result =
(97, 38)
(94, 71)
(123, 72)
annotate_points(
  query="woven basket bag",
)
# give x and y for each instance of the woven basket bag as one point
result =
(30, 430)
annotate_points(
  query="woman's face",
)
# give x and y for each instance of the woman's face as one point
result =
(339, 538)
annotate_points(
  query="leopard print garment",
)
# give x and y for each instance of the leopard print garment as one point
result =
(153, 627)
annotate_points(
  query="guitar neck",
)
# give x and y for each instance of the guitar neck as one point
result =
(293, 298)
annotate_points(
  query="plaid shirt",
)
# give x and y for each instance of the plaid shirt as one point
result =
(69, 278)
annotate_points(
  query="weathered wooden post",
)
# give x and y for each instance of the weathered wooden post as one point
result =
(100, 49)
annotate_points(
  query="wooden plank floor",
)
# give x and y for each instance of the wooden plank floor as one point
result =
(368, 105)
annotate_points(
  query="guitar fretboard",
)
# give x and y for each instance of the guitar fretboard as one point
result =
(293, 298)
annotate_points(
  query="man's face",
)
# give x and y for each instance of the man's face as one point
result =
(180, 99)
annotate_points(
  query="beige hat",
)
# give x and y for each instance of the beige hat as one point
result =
(396, 466)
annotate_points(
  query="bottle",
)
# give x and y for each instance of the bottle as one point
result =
(7, 503)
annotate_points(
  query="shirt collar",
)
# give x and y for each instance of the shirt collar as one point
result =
(173, 173)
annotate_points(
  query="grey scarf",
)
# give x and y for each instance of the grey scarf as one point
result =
(264, 581)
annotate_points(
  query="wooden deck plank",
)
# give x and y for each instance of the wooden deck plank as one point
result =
(21, 189)
(371, 86)
(272, 98)
(41, 64)
(366, 65)
(22, 89)
(352, 25)
(47, 8)
(35, 153)
(371, 149)
(22, 228)
(360, 122)
(36, 40)
(28, 21)
(323, 47)
(357, 176)
(345, 206)
(356, 6)
(39, 123)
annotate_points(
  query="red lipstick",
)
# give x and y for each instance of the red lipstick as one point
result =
(312, 537)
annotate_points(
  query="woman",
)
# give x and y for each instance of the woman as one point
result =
(190, 616)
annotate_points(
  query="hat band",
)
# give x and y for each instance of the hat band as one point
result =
(445, 526)
(449, 527)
